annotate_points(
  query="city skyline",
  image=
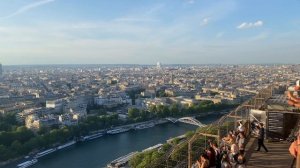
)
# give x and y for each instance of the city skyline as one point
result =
(144, 32)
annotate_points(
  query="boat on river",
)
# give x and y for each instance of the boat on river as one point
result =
(27, 163)
(118, 130)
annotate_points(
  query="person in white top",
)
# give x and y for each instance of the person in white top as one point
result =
(241, 128)
(234, 149)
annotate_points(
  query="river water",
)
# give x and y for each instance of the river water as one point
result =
(99, 152)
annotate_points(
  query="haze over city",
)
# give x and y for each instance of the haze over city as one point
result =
(149, 83)
(147, 31)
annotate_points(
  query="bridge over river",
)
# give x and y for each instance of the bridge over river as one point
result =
(187, 120)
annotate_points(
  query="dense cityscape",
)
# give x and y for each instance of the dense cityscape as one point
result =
(44, 106)
(63, 95)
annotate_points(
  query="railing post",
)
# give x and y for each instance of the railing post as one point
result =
(219, 136)
(190, 155)
(235, 121)
(267, 124)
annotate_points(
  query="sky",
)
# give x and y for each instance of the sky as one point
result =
(148, 31)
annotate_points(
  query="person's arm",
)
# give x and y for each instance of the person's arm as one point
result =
(292, 149)
(298, 150)
(204, 164)
(199, 164)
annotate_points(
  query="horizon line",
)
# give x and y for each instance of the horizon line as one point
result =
(57, 64)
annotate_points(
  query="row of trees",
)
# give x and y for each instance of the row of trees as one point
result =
(156, 158)
(21, 141)
(17, 140)
(94, 123)
(171, 155)
(174, 110)
(8, 122)
(144, 159)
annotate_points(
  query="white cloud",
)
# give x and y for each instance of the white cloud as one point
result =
(258, 23)
(247, 25)
(205, 21)
(27, 8)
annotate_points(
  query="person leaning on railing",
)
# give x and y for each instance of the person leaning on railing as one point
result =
(225, 163)
(229, 139)
(217, 151)
(240, 130)
(203, 162)
(241, 143)
(241, 127)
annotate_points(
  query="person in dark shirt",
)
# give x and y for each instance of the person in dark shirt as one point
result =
(261, 137)
(211, 156)
(216, 149)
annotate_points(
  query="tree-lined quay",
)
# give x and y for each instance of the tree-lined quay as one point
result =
(18, 140)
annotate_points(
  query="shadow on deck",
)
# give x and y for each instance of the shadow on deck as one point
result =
(277, 157)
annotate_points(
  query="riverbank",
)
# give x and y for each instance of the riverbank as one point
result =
(123, 160)
(98, 153)
(104, 131)
(140, 143)
(10, 161)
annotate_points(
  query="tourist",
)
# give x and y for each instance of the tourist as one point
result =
(294, 148)
(203, 162)
(240, 161)
(241, 142)
(234, 151)
(217, 153)
(224, 150)
(241, 128)
(254, 129)
(225, 162)
(229, 139)
(261, 137)
(211, 156)
(234, 135)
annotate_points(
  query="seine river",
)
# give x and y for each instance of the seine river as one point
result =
(99, 152)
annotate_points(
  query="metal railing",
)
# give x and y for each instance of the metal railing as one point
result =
(227, 123)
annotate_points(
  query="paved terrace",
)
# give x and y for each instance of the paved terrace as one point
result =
(277, 157)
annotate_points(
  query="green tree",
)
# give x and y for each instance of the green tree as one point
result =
(174, 110)
(43, 130)
(23, 134)
(160, 111)
(133, 113)
(166, 111)
(4, 153)
(16, 146)
(153, 109)
(144, 115)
